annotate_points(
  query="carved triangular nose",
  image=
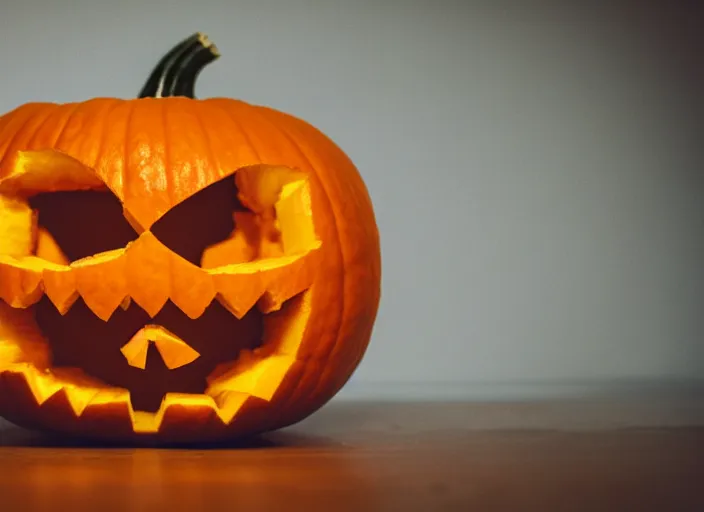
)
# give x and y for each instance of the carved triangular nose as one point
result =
(174, 351)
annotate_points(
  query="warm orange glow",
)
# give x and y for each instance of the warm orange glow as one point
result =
(174, 351)
(235, 271)
(305, 254)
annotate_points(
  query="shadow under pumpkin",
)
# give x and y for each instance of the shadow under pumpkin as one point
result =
(86, 223)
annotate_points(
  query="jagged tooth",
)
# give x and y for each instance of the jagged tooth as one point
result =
(41, 385)
(174, 408)
(100, 280)
(269, 282)
(79, 398)
(20, 286)
(148, 273)
(239, 291)
(287, 282)
(125, 304)
(60, 287)
(110, 408)
(78, 388)
(147, 422)
(198, 411)
(229, 404)
(108, 396)
(192, 288)
(255, 375)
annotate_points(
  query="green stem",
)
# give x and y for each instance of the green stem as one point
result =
(177, 71)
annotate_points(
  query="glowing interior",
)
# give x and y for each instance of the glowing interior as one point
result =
(266, 262)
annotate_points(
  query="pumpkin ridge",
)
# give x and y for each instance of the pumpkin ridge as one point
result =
(318, 139)
(213, 158)
(103, 136)
(241, 129)
(168, 171)
(330, 346)
(33, 137)
(60, 132)
(125, 177)
(298, 148)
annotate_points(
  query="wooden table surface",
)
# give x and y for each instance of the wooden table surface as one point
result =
(551, 456)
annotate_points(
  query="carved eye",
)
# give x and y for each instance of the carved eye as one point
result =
(202, 220)
(78, 224)
(77, 215)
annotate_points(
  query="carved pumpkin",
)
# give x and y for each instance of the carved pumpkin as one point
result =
(178, 269)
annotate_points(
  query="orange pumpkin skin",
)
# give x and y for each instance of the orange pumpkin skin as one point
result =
(153, 154)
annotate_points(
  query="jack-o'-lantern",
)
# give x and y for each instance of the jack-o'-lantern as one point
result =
(178, 269)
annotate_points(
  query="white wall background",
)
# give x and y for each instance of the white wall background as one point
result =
(536, 169)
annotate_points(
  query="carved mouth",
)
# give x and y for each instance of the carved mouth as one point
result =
(153, 356)
(79, 354)
(146, 329)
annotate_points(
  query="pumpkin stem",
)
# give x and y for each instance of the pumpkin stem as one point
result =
(176, 72)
